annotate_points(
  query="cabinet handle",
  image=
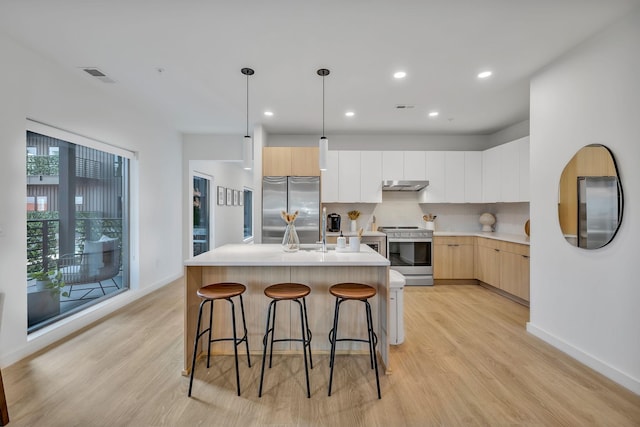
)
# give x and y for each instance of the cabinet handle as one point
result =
(525, 256)
(452, 244)
(497, 250)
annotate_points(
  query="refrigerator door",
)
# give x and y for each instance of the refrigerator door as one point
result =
(597, 210)
(304, 197)
(274, 201)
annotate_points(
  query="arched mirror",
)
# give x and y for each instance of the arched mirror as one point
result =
(590, 198)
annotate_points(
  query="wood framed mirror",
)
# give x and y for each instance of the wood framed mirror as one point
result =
(590, 201)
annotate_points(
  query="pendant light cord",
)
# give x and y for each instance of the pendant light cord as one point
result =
(323, 106)
(247, 105)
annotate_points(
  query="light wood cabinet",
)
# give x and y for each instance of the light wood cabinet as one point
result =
(453, 257)
(504, 265)
(290, 161)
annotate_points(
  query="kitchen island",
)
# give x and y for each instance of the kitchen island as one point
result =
(258, 266)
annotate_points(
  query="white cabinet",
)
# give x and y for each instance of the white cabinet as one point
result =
(505, 172)
(349, 176)
(352, 177)
(403, 165)
(491, 175)
(509, 175)
(435, 174)
(371, 176)
(454, 177)
(473, 176)
(414, 165)
(330, 186)
(523, 157)
(392, 165)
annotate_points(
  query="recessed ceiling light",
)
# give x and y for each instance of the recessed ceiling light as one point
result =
(485, 74)
(433, 114)
(268, 113)
(399, 75)
(349, 114)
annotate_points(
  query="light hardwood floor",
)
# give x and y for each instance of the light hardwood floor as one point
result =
(467, 360)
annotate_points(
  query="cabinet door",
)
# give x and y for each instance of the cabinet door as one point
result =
(523, 157)
(330, 186)
(509, 172)
(371, 176)
(435, 174)
(349, 176)
(491, 175)
(514, 277)
(488, 265)
(454, 176)
(304, 161)
(441, 262)
(392, 165)
(473, 176)
(462, 265)
(414, 165)
(276, 161)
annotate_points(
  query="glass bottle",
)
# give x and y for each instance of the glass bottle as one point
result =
(290, 242)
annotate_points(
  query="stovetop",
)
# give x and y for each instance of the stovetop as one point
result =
(405, 231)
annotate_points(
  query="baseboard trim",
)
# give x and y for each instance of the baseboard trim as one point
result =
(594, 363)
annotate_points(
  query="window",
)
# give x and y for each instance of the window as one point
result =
(248, 213)
(77, 224)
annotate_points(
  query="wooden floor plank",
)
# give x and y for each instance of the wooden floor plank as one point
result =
(467, 360)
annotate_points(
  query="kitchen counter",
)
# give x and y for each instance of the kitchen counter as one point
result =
(513, 238)
(260, 265)
(273, 255)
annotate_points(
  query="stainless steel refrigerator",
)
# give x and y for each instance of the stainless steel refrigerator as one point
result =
(598, 210)
(290, 194)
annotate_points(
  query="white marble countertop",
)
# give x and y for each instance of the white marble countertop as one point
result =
(273, 255)
(513, 238)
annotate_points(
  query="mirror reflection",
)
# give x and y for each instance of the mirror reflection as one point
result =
(590, 198)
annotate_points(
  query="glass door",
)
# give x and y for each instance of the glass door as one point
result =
(201, 220)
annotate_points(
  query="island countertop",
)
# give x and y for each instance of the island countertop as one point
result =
(273, 255)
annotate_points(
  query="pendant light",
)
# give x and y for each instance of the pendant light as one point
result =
(324, 142)
(247, 146)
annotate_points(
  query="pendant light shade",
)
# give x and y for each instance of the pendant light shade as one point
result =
(247, 144)
(323, 145)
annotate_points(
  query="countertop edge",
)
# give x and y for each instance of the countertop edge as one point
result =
(513, 238)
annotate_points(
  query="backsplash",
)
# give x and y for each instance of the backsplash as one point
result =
(403, 209)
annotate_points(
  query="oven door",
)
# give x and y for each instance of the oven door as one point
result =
(411, 256)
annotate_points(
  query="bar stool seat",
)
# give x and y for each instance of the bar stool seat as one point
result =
(287, 292)
(353, 292)
(209, 294)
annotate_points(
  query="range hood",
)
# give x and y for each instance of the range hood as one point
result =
(404, 185)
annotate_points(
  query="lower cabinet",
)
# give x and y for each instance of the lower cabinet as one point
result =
(504, 265)
(453, 257)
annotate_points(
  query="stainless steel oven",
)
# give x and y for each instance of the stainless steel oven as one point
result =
(410, 251)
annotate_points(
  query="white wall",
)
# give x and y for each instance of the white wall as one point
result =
(34, 87)
(586, 302)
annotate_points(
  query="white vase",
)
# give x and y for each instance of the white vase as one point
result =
(354, 225)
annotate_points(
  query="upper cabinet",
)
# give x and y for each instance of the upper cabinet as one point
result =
(454, 177)
(403, 165)
(353, 177)
(290, 161)
(414, 165)
(505, 172)
(392, 165)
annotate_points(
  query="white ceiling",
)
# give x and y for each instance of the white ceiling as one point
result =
(202, 45)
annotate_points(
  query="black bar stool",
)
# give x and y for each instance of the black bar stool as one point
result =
(209, 294)
(353, 292)
(292, 292)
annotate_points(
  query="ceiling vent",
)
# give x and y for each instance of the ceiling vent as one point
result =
(404, 106)
(92, 71)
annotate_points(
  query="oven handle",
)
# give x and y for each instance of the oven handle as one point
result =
(411, 239)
